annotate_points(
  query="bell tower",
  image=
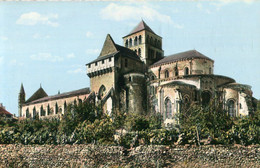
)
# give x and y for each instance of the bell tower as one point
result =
(146, 44)
(21, 100)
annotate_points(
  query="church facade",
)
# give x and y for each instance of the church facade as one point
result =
(138, 78)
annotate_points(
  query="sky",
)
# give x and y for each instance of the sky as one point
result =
(49, 43)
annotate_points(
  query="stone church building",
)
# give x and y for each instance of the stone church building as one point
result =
(138, 78)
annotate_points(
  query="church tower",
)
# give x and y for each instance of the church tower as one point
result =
(146, 44)
(21, 100)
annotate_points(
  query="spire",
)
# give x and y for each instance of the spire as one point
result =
(109, 46)
(22, 89)
(141, 26)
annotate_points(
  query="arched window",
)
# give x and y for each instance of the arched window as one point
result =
(140, 39)
(136, 52)
(151, 40)
(42, 111)
(210, 72)
(166, 74)
(34, 112)
(135, 41)
(186, 72)
(101, 91)
(176, 71)
(168, 108)
(65, 106)
(147, 39)
(126, 43)
(205, 98)
(48, 110)
(130, 43)
(27, 113)
(139, 52)
(56, 108)
(231, 108)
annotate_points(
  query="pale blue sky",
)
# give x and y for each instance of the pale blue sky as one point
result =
(50, 42)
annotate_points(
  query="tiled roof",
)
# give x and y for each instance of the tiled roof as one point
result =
(40, 93)
(141, 26)
(4, 112)
(181, 56)
(110, 49)
(63, 95)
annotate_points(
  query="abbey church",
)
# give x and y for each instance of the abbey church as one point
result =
(138, 78)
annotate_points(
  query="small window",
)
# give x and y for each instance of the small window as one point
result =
(176, 72)
(103, 61)
(166, 74)
(135, 41)
(139, 52)
(89, 65)
(126, 63)
(130, 43)
(210, 71)
(152, 78)
(126, 43)
(240, 105)
(140, 39)
(96, 63)
(110, 59)
(130, 78)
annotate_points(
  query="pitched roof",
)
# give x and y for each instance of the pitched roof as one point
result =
(141, 26)
(181, 56)
(40, 93)
(63, 95)
(4, 112)
(110, 48)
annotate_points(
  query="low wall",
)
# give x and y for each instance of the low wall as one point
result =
(114, 156)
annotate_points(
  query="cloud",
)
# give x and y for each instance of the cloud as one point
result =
(46, 57)
(14, 62)
(201, 8)
(78, 69)
(89, 34)
(4, 38)
(93, 51)
(71, 55)
(222, 3)
(39, 36)
(34, 18)
(126, 12)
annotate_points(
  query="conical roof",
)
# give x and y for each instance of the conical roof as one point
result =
(182, 56)
(141, 26)
(22, 89)
(40, 93)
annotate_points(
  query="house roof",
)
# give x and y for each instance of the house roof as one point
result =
(40, 93)
(141, 26)
(4, 112)
(62, 95)
(110, 49)
(181, 56)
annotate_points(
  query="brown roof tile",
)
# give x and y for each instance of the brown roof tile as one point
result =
(141, 26)
(181, 56)
(4, 112)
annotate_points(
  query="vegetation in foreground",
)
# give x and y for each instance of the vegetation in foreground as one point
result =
(84, 123)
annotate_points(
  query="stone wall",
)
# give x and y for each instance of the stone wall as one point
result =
(115, 156)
